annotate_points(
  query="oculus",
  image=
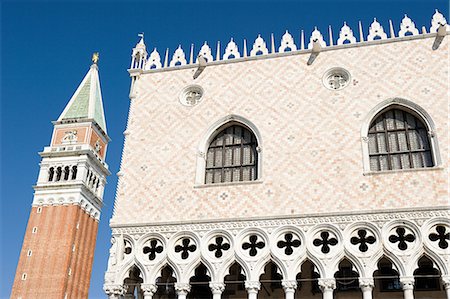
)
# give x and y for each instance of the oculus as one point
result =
(336, 78)
(191, 95)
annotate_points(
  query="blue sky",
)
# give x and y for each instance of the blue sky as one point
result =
(46, 48)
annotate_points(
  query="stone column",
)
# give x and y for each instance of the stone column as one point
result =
(446, 283)
(366, 284)
(252, 288)
(289, 287)
(407, 283)
(114, 291)
(217, 289)
(148, 290)
(327, 286)
(182, 289)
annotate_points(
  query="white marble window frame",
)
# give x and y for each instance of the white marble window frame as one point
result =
(409, 107)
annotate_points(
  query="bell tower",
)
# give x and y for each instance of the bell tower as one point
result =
(58, 247)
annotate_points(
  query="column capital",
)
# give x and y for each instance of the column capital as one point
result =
(327, 284)
(114, 289)
(252, 286)
(148, 289)
(182, 288)
(446, 281)
(217, 287)
(366, 283)
(289, 285)
(407, 282)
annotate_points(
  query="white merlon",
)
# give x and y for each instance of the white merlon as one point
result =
(375, 31)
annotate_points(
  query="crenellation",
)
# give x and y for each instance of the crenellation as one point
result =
(287, 43)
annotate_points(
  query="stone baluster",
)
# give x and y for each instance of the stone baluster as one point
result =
(252, 288)
(182, 289)
(366, 284)
(217, 289)
(407, 283)
(289, 287)
(446, 283)
(148, 290)
(327, 286)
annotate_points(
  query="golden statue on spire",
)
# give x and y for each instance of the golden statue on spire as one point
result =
(95, 57)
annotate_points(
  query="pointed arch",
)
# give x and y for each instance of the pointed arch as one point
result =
(213, 131)
(410, 108)
(123, 274)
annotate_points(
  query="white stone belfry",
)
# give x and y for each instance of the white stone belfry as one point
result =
(139, 55)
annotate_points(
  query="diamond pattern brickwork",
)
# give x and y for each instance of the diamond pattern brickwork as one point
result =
(311, 143)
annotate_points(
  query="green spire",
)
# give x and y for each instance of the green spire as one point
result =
(86, 102)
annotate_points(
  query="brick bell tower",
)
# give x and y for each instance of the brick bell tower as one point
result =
(58, 247)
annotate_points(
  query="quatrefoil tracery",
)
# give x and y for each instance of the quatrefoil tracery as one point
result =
(153, 249)
(402, 238)
(253, 245)
(325, 242)
(363, 240)
(219, 246)
(288, 244)
(185, 248)
(442, 236)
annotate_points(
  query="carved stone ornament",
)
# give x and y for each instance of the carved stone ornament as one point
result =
(437, 21)
(346, 34)
(289, 285)
(114, 289)
(287, 42)
(217, 287)
(376, 30)
(205, 52)
(336, 78)
(252, 286)
(327, 284)
(178, 57)
(70, 137)
(366, 283)
(259, 46)
(98, 146)
(316, 36)
(446, 281)
(148, 289)
(231, 50)
(407, 283)
(191, 95)
(182, 288)
(154, 61)
(406, 26)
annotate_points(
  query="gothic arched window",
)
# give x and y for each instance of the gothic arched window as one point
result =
(398, 140)
(232, 156)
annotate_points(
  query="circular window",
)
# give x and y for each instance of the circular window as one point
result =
(336, 78)
(191, 95)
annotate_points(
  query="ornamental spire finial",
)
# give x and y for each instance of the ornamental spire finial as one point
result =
(95, 57)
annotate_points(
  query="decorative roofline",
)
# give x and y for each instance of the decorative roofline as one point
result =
(142, 62)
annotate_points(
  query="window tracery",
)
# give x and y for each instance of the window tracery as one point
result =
(232, 156)
(398, 139)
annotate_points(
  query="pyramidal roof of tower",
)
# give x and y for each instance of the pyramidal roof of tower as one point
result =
(86, 102)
